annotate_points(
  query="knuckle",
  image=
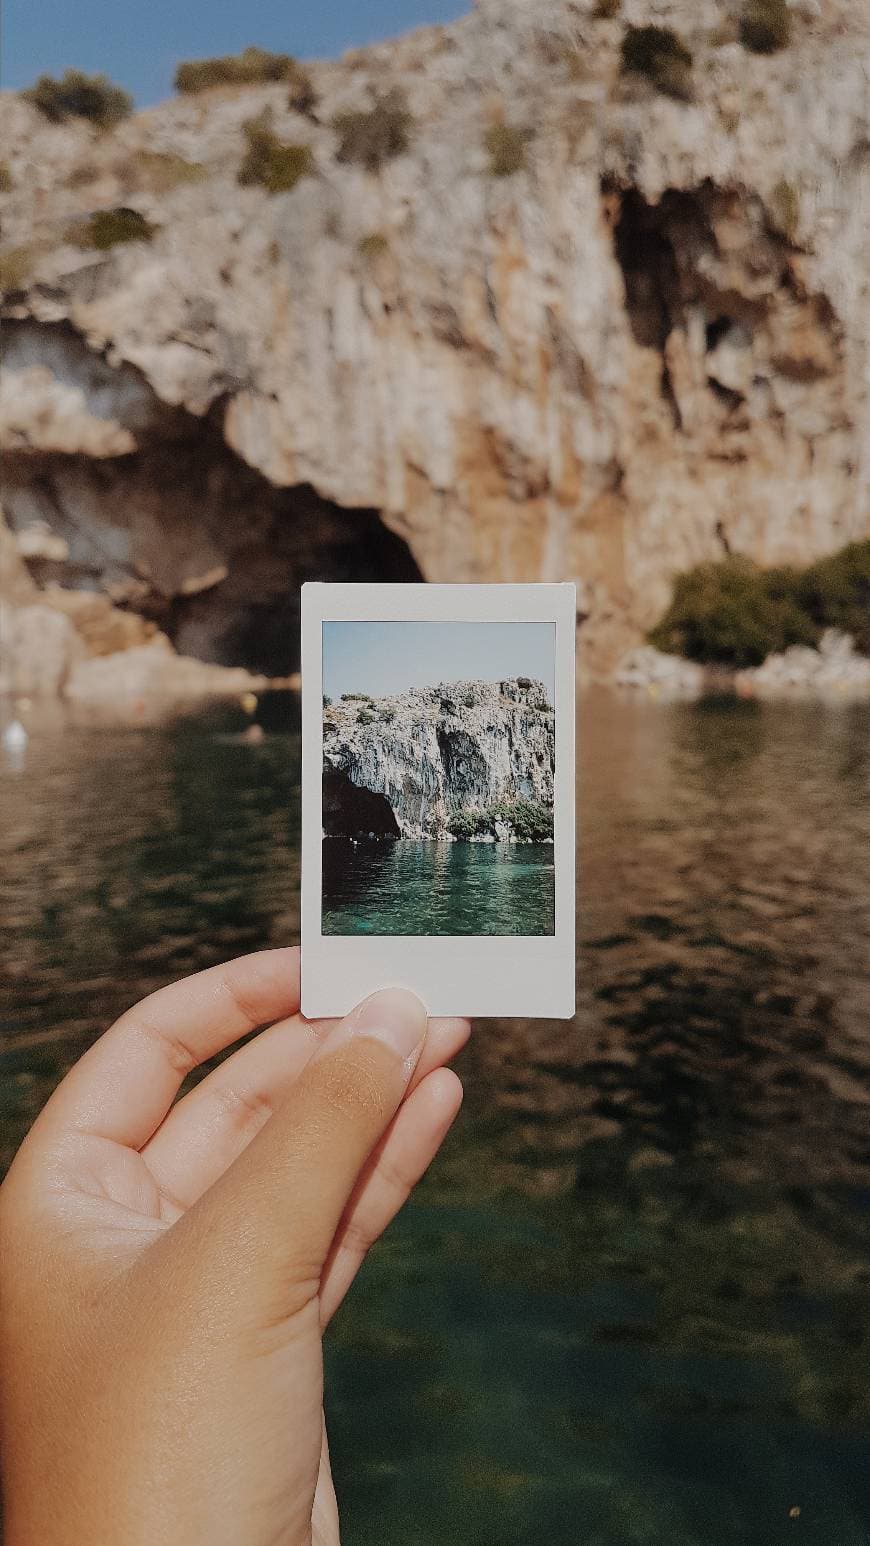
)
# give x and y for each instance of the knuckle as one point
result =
(181, 1058)
(246, 1110)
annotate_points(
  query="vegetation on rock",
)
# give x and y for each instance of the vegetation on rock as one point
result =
(371, 138)
(16, 264)
(158, 171)
(252, 67)
(275, 166)
(660, 55)
(77, 95)
(785, 209)
(373, 246)
(736, 614)
(765, 25)
(110, 227)
(6, 183)
(529, 820)
(506, 146)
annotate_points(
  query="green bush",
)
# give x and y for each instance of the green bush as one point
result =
(388, 715)
(366, 717)
(660, 55)
(765, 26)
(327, 701)
(357, 697)
(835, 592)
(785, 209)
(531, 821)
(110, 227)
(275, 166)
(735, 614)
(371, 138)
(6, 183)
(16, 266)
(80, 96)
(373, 246)
(252, 67)
(506, 146)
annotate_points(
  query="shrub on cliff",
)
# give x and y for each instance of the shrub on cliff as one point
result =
(530, 821)
(835, 593)
(6, 183)
(765, 26)
(660, 55)
(506, 145)
(275, 166)
(371, 138)
(735, 614)
(77, 95)
(110, 227)
(252, 67)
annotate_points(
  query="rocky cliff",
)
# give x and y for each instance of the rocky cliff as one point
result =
(406, 766)
(579, 329)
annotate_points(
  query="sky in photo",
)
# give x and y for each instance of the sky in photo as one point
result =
(383, 658)
(139, 45)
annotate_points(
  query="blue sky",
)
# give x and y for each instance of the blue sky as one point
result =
(139, 42)
(381, 658)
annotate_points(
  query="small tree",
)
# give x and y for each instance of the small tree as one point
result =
(506, 145)
(77, 95)
(111, 227)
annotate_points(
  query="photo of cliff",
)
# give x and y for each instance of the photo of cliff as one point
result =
(438, 800)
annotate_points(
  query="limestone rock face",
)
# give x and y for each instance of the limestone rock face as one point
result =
(647, 346)
(402, 766)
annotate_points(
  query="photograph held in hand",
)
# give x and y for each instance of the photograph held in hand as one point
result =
(438, 739)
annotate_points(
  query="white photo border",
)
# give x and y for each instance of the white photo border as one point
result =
(473, 975)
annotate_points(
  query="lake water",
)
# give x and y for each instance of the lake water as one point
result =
(432, 888)
(631, 1301)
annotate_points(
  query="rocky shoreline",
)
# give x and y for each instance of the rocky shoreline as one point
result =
(836, 670)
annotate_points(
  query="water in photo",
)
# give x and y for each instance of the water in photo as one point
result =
(438, 778)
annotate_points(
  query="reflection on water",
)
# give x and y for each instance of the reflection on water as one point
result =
(632, 1301)
(433, 888)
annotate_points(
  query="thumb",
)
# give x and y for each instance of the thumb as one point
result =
(274, 1213)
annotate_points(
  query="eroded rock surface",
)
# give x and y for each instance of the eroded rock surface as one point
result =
(402, 766)
(647, 347)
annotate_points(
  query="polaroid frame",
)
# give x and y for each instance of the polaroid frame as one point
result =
(474, 975)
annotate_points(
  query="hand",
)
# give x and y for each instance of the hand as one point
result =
(168, 1270)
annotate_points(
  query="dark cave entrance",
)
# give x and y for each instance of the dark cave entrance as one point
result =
(181, 530)
(349, 811)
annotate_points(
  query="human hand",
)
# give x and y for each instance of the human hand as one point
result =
(167, 1274)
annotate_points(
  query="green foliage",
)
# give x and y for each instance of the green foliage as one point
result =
(469, 700)
(835, 592)
(735, 614)
(357, 697)
(765, 26)
(77, 95)
(506, 146)
(327, 701)
(366, 717)
(110, 227)
(388, 715)
(16, 265)
(275, 166)
(606, 10)
(531, 821)
(160, 171)
(373, 246)
(371, 138)
(6, 183)
(660, 55)
(785, 209)
(252, 67)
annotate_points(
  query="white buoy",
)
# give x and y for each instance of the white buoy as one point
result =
(15, 737)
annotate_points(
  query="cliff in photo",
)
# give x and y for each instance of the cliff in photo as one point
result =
(544, 294)
(464, 759)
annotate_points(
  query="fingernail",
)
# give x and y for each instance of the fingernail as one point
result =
(395, 1017)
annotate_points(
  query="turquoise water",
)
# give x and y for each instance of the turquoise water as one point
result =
(630, 1302)
(433, 888)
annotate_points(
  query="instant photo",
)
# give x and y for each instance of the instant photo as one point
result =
(438, 795)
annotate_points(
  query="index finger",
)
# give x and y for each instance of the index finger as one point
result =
(126, 1082)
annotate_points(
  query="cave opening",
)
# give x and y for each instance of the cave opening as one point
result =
(180, 529)
(351, 811)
